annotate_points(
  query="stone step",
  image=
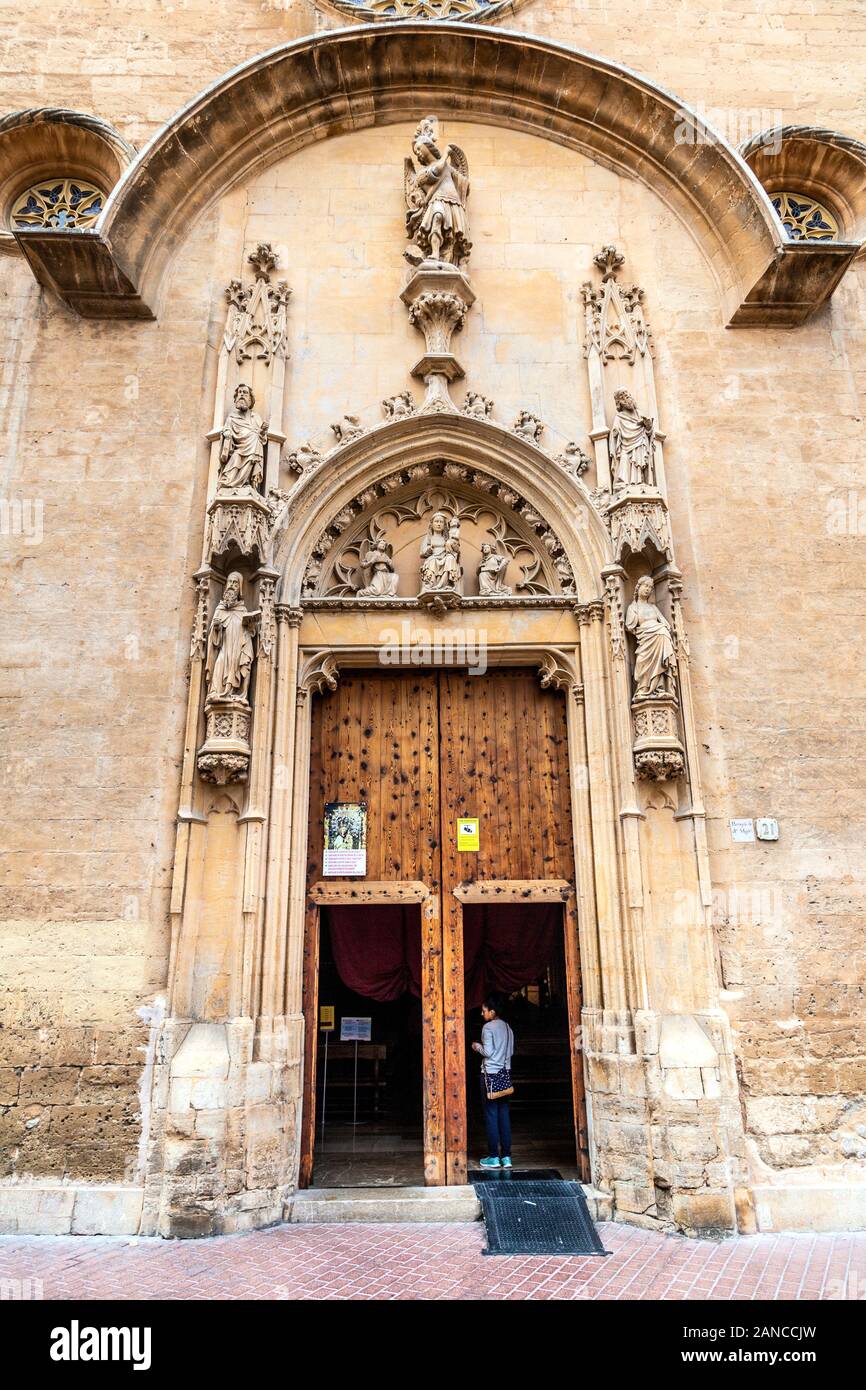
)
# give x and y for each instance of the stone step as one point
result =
(320, 1204)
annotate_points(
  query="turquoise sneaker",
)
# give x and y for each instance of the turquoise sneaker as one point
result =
(489, 1163)
(506, 1163)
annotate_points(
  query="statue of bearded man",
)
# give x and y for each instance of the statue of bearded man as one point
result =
(242, 450)
(632, 443)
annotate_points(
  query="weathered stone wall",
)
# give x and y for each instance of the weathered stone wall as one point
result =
(103, 427)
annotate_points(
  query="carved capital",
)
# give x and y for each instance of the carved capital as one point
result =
(292, 617)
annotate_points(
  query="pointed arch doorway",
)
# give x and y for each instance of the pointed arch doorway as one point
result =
(424, 749)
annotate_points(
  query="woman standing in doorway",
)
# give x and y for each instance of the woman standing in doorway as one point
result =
(496, 1048)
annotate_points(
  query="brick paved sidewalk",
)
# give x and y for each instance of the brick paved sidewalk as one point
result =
(434, 1262)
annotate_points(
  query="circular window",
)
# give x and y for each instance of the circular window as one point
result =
(804, 219)
(60, 204)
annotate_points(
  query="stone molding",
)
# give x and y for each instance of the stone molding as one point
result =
(300, 91)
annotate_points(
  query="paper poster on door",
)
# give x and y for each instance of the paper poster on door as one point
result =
(467, 833)
(345, 839)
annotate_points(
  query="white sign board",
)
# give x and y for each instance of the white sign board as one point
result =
(742, 831)
(356, 1029)
(767, 828)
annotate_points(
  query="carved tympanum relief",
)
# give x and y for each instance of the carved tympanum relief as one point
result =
(455, 534)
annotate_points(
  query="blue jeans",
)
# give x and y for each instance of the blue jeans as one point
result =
(497, 1122)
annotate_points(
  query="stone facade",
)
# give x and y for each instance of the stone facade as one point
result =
(733, 1087)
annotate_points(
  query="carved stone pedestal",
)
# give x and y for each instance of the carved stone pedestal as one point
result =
(438, 297)
(440, 600)
(658, 752)
(638, 515)
(225, 754)
(239, 521)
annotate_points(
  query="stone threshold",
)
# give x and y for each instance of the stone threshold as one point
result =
(62, 1209)
(454, 1203)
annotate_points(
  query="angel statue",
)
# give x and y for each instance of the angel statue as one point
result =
(377, 567)
(491, 571)
(436, 196)
(440, 554)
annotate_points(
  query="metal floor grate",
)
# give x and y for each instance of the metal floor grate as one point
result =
(536, 1217)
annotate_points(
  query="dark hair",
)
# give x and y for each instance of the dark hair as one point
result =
(494, 1003)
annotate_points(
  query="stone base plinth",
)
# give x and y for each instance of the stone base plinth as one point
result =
(239, 522)
(658, 752)
(225, 754)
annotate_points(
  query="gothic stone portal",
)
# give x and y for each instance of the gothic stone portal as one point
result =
(422, 750)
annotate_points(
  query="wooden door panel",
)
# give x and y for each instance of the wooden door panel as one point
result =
(424, 750)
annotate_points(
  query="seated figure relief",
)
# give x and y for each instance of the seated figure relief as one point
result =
(377, 567)
(440, 554)
(491, 571)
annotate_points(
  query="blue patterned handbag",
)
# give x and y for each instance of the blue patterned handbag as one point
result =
(499, 1085)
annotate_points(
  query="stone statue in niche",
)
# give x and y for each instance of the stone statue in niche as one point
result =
(632, 443)
(655, 658)
(491, 572)
(242, 450)
(440, 554)
(436, 195)
(377, 567)
(230, 650)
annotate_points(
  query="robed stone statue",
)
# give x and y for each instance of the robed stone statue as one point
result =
(632, 443)
(655, 658)
(243, 440)
(230, 650)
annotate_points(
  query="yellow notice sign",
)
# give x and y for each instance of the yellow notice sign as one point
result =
(326, 1018)
(467, 833)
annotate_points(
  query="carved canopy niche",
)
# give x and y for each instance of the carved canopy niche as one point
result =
(506, 549)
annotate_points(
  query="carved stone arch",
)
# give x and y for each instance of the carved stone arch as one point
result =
(326, 501)
(375, 74)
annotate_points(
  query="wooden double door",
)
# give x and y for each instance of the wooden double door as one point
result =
(424, 750)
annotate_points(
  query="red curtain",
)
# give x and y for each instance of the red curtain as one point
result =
(377, 950)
